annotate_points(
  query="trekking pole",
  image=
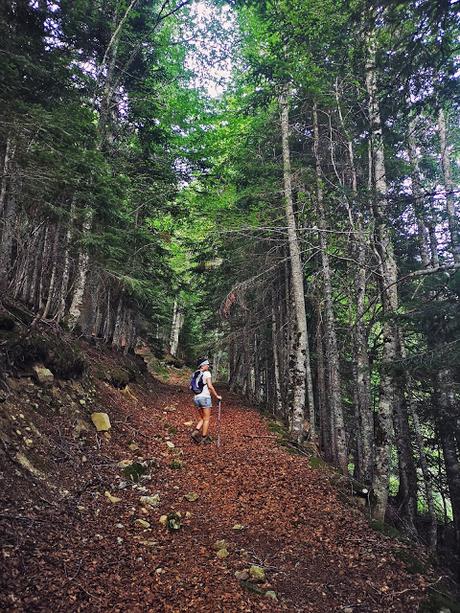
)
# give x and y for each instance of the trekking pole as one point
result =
(219, 414)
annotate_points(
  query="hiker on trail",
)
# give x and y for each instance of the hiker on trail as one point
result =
(201, 385)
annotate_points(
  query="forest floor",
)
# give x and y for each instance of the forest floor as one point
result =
(70, 536)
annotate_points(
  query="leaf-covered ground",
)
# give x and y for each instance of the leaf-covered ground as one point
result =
(82, 550)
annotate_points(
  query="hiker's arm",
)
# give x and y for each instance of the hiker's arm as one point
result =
(212, 390)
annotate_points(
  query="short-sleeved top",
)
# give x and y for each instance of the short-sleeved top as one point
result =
(205, 393)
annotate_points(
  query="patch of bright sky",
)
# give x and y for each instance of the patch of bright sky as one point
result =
(213, 33)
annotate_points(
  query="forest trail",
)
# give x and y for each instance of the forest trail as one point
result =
(88, 554)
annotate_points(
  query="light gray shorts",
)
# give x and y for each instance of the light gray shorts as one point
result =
(203, 403)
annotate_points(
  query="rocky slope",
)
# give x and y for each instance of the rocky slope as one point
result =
(139, 518)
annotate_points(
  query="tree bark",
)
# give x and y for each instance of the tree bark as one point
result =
(389, 296)
(325, 421)
(277, 405)
(63, 290)
(361, 367)
(8, 156)
(76, 305)
(433, 532)
(300, 351)
(54, 264)
(447, 412)
(7, 237)
(452, 215)
(332, 353)
(176, 327)
(419, 208)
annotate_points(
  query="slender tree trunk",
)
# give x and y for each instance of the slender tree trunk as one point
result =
(63, 290)
(52, 284)
(277, 406)
(433, 246)
(361, 367)
(407, 493)
(118, 322)
(325, 418)
(388, 279)
(332, 353)
(300, 353)
(32, 295)
(447, 411)
(419, 208)
(40, 305)
(7, 238)
(8, 157)
(107, 328)
(452, 215)
(75, 309)
(433, 532)
(176, 327)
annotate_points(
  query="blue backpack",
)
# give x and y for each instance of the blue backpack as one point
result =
(196, 382)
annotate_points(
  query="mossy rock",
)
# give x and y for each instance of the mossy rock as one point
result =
(66, 361)
(172, 360)
(29, 350)
(288, 446)
(278, 428)
(252, 587)
(118, 377)
(386, 529)
(22, 314)
(134, 471)
(414, 565)
(438, 600)
(63, 359)
(7, 322)
(316, 462)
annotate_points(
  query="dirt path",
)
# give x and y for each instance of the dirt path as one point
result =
(87, 554)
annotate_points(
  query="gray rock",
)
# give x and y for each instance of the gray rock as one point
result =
(42, 375)
(151, 501)
(257, 573)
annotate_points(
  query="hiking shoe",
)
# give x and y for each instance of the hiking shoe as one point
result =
(196, 436)
(206, 440)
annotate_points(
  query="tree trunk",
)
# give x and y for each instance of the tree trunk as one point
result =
(8, 156)
(419, 208)
(300, 351)
(407, 492)
(176, 326)
(277, 405)
(52, 284)
(361, 367)
(389, 296)
(446, 415)
(332, 353)
(63, 290)
(32, 295)
(325, 422)
(76, 305)
(452, 215)
(7, 238)
(433, 536)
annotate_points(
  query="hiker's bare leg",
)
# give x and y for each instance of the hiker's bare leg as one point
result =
(200, 423)
(206, 418)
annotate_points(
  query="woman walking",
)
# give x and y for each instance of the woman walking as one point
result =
(201, 385)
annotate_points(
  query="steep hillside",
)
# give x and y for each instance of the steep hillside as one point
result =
(140, 518)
